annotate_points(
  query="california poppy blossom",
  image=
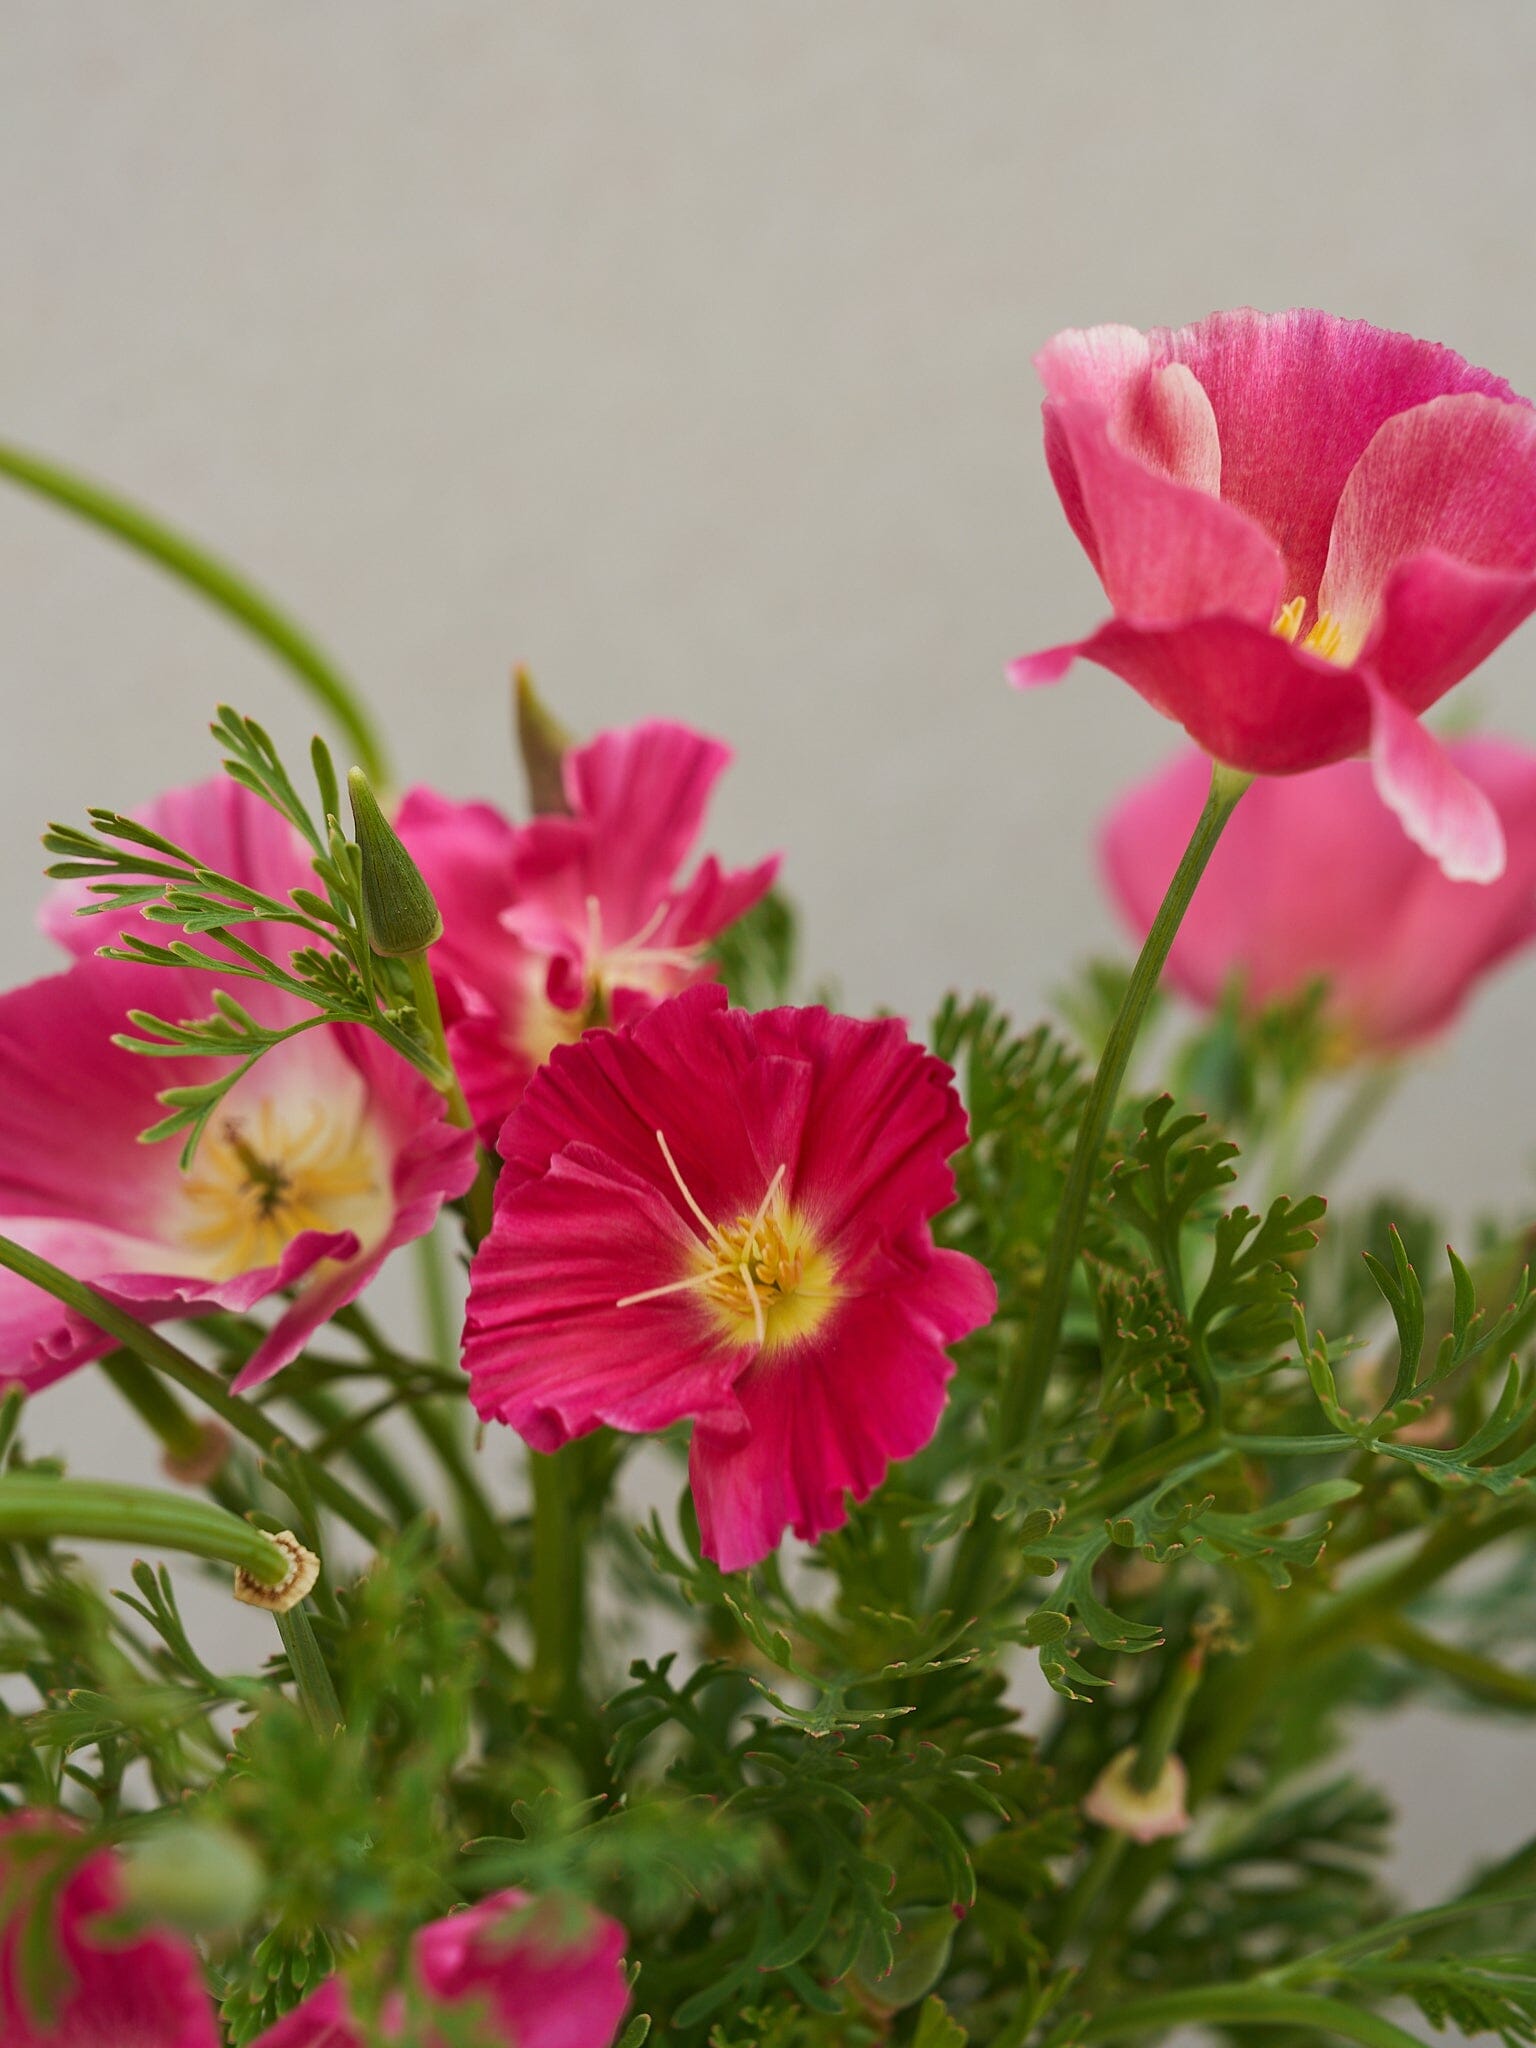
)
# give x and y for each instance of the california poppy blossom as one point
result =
(723, 1215)
(1309, 529)
(1313, 882)
(538, 1980)
(82, 1981)
(577, 918)
(326, 1156)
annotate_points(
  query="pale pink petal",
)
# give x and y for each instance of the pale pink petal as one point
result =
(1440, 809)
(1456, 479)
(1297, 397)
(1438, 621)
(547, 1347)
(821, 1421)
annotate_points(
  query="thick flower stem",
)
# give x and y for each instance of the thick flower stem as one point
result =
(1024, 1394)
(1237, 2005)
(156, 1351)
(311, 1677)
(217, 583)
(430, 1012)
(558, 1595)
(33, 1509)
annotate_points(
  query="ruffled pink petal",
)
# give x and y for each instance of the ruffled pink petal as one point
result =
(822, 1421)
(714, 899)
(1297, 397)
(1455, 479)
(643, 792)
(547, 1348)
(1247, 696)
(1440, 809)
(142, 1991)
(225, 826)
(466, 852)
(1165, 551)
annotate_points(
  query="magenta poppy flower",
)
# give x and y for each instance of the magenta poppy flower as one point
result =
(1309, 530)
(573, 920)
(1312, 881)
(90, 1981)
(722, 1215)
(541, 1981)
(323, 1159)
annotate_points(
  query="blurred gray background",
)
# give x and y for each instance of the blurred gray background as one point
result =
(683, 351)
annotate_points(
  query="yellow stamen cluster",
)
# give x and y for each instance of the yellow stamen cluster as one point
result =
(764, 1276)
(1325, 638)
(264, 1177)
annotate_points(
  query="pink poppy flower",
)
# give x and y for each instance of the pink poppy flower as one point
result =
(323, 1159)
(84, 1982)
(722, 1215)
(1311, 881)
(1309, 529)
(541, 1983)
(574, 920)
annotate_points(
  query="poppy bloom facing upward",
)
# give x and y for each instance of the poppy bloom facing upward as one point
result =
(1309, 530)
(1312, 881)
(577, 918)
(722, 1215)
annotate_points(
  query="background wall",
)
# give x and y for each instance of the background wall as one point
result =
(683, 350)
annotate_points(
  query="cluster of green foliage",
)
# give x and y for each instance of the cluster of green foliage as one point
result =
(814, 1793)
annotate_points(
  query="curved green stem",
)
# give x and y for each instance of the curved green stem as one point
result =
(311, 1676)
(1253, 2005)
(33, 1508)
(215, 581)
(1024, 1393)
(1361, 1107)
(154, 1350)
(558, 1592)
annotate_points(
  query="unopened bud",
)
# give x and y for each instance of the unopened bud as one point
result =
(188, 1875)
(304, 1570)
(399, 909)
(543, 743)
(919, 1957)
(1116, 1801)
(203, 1460)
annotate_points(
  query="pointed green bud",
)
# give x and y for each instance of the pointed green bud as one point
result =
(398, 907)
(543, 743)
(201, 1879)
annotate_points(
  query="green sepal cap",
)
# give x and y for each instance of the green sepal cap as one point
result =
(399, 909)
(201, 1879)
(543, 743)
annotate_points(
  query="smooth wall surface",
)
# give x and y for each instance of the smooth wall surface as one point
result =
(683, 350)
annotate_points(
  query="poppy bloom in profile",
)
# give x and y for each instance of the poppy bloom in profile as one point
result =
(1309, 529)
(723, 1215)
(85, 1981)
(326, 1156)
(1312, 882)
(539, 1980)
(577, 918)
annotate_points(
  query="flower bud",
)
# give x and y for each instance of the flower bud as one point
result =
(399, 909)
(188, 1875)
(543, 743)
(920, 1956)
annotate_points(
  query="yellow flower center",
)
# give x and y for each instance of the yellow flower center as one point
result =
(1325, 638)
(279, 1169)
(766, 1280)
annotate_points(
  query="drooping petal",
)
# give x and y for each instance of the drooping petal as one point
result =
(229, 829)
(1441, 810)
(107, 1989)
(823, 1421)
(1438, 621)
(1455, 479)
(547, 1347)
(1247, 696)
(1297, 397)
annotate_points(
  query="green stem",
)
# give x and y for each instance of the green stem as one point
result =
(1360, 1109)
(1024, 1393)
(365, 1453)
(33, 1508)
(180, 1433)
(436, 1303)
(156, 1351)
(1478, 1676)
(1254, 2005)
(430, 1012)
(558, 1592)
(215, 581)
(310, 1674)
